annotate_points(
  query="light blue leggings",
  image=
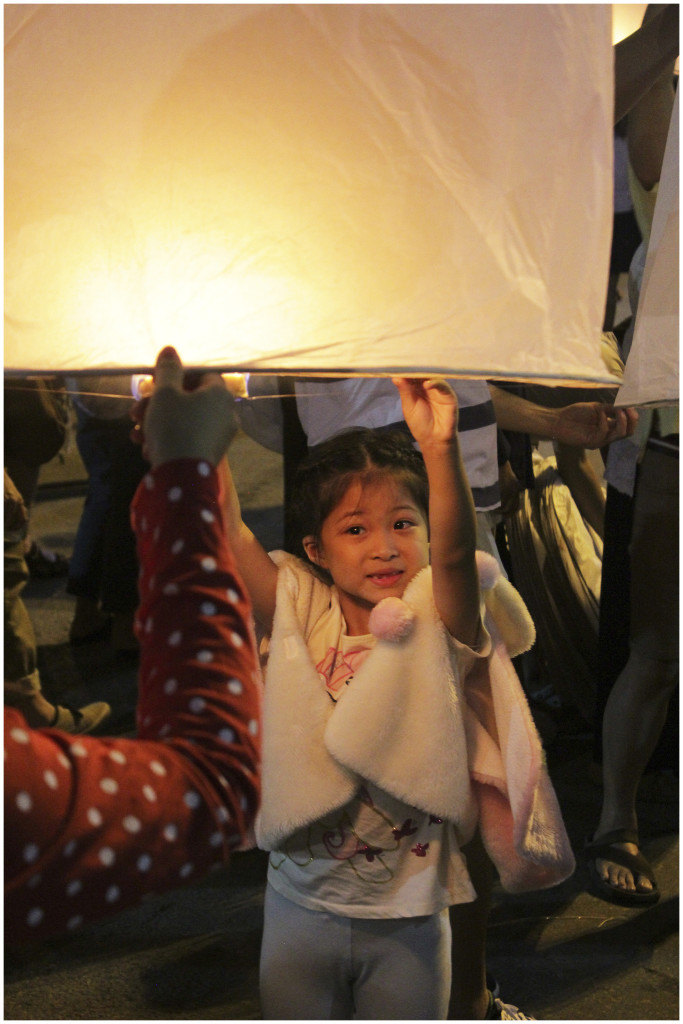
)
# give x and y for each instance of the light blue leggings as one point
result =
(319, 966)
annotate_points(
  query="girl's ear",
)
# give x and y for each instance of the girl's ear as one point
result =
(313, 551)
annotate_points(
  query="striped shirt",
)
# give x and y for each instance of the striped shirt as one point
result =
(329, 407)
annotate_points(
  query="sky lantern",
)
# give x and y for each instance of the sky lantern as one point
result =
(626, 19)
(651, 376)
(332, 188)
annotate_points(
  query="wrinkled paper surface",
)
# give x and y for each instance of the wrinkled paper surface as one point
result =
(651, 376)
(334, 188)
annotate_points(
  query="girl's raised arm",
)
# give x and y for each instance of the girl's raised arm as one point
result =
(430, 409)
(257, 569)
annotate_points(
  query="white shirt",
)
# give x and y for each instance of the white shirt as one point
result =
(328, 408)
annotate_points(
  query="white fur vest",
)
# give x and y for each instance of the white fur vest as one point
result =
(465, 750)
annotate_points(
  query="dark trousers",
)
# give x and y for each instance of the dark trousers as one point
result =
(104, 564)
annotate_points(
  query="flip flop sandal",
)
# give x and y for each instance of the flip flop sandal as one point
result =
(499, 1010)
(604, 849)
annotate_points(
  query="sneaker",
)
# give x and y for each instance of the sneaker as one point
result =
(79, 721)
(498, 1010)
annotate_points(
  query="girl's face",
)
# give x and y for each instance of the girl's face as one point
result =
(372, 543)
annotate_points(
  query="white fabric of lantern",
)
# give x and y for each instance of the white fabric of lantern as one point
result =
(651, 376)
(361, 188)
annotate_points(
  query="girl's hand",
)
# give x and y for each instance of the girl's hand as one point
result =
(430, 409)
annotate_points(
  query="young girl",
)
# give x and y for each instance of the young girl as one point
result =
(367, 789)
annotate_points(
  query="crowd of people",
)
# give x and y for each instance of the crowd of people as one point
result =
(349, 705)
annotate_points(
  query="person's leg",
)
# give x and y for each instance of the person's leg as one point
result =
(41, 562)
(121, 567)
(21, 677)
(615, 604)
(22, 688)
(305, 967)
(85, 566)
(401, 968)
(469, 921)
(634, 718)
(24, 476)
(637, 707)
(35, 420)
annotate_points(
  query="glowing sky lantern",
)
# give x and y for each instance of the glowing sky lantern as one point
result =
(652, 368)
(314, 188)
(626, 19)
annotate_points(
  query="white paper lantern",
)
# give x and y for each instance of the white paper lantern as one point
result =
(651, 376)
(316, 188)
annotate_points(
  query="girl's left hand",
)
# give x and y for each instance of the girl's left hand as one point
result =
(430, 408)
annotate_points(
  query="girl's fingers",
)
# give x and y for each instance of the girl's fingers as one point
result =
(409, 386)
(422, 384)
(438, 386)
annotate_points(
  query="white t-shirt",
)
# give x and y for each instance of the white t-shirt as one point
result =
(327, 408)
(376, 857)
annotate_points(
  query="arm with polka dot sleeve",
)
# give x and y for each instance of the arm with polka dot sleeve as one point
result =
(94, 824)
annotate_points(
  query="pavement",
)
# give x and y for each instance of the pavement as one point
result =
(192, 954)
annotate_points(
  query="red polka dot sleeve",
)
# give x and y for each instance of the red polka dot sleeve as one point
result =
(94, 824)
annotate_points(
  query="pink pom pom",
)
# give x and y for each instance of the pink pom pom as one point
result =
(391, 619)
(488, 569)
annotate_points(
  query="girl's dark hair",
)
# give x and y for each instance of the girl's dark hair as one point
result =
(324, 476)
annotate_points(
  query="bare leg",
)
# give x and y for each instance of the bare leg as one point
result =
(633, 722)
(636, 709)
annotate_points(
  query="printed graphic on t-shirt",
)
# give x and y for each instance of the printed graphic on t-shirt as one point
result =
(337, 669)
(362, 835)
